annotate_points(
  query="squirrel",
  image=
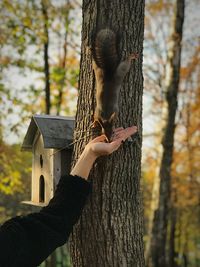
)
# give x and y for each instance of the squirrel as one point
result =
(109, 73)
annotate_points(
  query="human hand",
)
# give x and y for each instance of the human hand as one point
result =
(98, 146)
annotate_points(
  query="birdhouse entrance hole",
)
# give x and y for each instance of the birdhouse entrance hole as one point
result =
(41, 161)
(42, 189)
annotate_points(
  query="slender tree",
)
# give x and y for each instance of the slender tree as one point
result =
(159, 231)
(46, 56)
(110, 230)
(172, 231)
(63, 63)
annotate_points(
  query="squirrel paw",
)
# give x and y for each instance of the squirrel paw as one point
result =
(95, 124)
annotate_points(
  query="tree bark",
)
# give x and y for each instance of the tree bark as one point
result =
(51, 262)
(172, 249)
(46, 58)
(154, 206)
(158, 242)
(110, 231)
(61, 86)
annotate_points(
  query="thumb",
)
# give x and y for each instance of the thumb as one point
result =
(100, 138)
(115, 145)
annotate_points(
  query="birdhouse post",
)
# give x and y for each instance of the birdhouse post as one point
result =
(49, 139)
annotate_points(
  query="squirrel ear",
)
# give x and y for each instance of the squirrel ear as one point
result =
(112, 117)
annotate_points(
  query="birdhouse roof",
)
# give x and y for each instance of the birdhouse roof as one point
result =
(56, 131)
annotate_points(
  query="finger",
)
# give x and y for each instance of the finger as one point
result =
(130, 131)
(121, 136)
(100, 138)
(126, 133)
(118, 136)
(116, 130)
(114, 145)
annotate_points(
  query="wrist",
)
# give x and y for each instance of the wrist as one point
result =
(85, 163)
(90, 154)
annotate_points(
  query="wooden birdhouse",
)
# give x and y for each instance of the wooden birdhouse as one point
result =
(49, 139)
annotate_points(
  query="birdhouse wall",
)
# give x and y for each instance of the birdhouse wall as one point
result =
(42, 172)
(56, 167)
(66, 157)
(61, 165)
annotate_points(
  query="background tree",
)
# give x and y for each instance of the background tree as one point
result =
(110, 230)
(158, 21)
(44, 6)
(186, 172)
(39, 47)
(34, 47)
(159, 237)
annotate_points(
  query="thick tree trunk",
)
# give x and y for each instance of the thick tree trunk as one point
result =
(158, 242)
(46, 58)
(110, 230)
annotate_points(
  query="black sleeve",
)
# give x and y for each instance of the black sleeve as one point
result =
(27, 241)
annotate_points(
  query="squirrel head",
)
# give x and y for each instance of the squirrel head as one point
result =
(107, 126)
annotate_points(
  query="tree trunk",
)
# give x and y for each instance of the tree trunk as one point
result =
(62, 83)
(51, 262)
(110, 231)
(185, 251)
(172, 251)
(63, 65)
(158, 242)
(154, 206)
(46, 58)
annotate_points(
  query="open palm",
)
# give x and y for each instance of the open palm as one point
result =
(99, 146)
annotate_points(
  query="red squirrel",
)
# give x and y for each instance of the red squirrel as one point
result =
(109, 73)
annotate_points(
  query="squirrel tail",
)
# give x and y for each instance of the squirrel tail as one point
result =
(104, 51)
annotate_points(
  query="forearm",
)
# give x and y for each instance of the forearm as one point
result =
(28, 240)
(84, 164)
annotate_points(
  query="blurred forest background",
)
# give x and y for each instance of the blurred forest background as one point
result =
(39, 62)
